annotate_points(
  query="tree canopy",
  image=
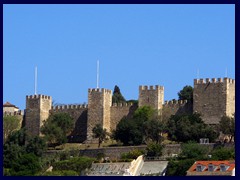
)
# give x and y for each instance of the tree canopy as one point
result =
(186, 93)
(142, 127)
(99, 133)
(227, 126)
(10, 124)
(117, 95)
(186, 128)
(57, 127)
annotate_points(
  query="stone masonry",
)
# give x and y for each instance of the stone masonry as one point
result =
(37, 110)
(212, 99)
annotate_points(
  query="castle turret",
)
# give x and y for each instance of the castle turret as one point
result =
(99, 103)
(214, 98)
(151, 96)
(37, 110)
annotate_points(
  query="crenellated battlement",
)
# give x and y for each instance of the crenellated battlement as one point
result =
(99, 90)
(70, 106)
(37, 96)
(156, 87)
(122, 104)
(214, 80)
(179, 102)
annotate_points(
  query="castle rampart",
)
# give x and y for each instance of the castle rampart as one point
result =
(151, 96)
(176, 108)
(118, 111)
(99, 102)
(79, 114)
(37, 110)
(214, 99)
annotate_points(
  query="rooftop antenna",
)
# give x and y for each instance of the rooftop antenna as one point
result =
(97, 73)
(226, 73)
(197, 73)
(35, 84)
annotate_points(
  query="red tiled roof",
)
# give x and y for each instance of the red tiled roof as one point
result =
(231, 165)
(8, 104)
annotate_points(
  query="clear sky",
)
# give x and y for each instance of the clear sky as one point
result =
(135, 44)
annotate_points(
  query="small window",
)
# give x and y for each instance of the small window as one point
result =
(199, 168)
(222, 167)
(210, 167)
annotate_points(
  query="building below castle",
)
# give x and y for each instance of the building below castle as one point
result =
(212, 98)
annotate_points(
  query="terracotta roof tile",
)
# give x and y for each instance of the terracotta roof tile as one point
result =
(231, 165)
(8, 104)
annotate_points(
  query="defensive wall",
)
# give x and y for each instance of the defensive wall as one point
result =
(176, 108)
(118, 111)
(79, 114)
(212, 98)
(115, 152)
(37, 110)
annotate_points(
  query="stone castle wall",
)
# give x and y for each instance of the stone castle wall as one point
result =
(151, 96)
(210, 98)
(176, 108)
(230, 97)
(118, 111)
(99, 101)
(107, 102)
(79, 114)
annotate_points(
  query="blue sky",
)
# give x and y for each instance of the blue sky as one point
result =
(135, 44)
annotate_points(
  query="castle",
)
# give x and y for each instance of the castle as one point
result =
(212, 98)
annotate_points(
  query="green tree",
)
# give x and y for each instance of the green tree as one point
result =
(186, 94)
(194, 151)
(78, 164)
(100, 133)
(132, 131)
(132, 154)
(153, 130)
(223, 153)
(26, 165)
(57, 127)
(154, 149)
(179, 168)
(143, 114)
(36, 145)
(128, 132)
(10, 124)
(227, 126)
(184, 128)
(117, 96)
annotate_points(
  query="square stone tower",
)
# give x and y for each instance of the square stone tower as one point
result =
(37, 110)
(214, 98)
(152, 96)
(99, 103)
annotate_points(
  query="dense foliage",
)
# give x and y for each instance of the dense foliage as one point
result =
(57, 127)
(186, 128)
(10, 124)
(117, 96)
(141, 128)
(227, 126)
(100, 133)
(21, 158)
(154, 149)
(186, 94)
(132, 154)
(77, 164)
(192, 152)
